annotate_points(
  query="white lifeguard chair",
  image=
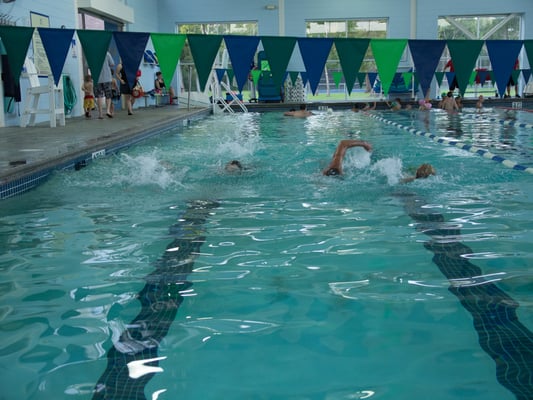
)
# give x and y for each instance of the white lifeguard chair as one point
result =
(56, 101)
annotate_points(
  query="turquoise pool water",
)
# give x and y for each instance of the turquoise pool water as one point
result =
(154, 273)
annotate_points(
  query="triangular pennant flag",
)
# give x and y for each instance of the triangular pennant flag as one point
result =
(16, 41)
(372, 76)
(278, 50)
(503, 55)
(220, 73)
(482, 77)
(231, 75)
(168, 48)
(241, 51)
(131, 46)
(526, 73)
(361, 78)
(407, 77)
(294, 76)
(426, 55)
(351, 55)
(472, 77)
(56, 44)
(439, 76)
(204, 49)
(450, 76)
(464, 54)
(303, 74)
(387, 53)
(315, 52)
(95, 45)
(528, 46)
(256, 73)
(337, 77)
(285, 76)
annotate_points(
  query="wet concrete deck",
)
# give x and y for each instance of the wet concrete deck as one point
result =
(23, 151)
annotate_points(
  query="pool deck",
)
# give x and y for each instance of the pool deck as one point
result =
(26, 151)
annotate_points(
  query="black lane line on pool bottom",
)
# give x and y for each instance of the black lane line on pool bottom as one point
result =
(160, 299)
(501, 335)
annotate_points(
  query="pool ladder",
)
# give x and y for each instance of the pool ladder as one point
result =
(220, 102)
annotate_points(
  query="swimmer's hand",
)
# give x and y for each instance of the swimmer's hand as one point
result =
(367, 146)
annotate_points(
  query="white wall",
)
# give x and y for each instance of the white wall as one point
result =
(296, 12)
(63, 13)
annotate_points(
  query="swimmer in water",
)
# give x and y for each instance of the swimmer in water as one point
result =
(335, 166)
(422, 172)
(233, 166)
(301, 113)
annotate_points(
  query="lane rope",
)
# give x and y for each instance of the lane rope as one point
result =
(506, 122)
(468, 147)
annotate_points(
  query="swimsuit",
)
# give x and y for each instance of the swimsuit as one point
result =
(88, 102)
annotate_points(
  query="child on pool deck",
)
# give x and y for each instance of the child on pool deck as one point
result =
(88, 95)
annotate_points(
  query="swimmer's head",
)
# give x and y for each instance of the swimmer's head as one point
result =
(424, 171)
(233, 166)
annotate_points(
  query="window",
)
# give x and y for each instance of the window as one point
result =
(350, 28)
(482, 27)
(479, 27)
(231, 28)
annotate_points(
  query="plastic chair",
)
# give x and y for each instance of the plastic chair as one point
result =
(56, 101)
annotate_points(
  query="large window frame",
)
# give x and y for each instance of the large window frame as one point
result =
(479, 27)
(364, 28)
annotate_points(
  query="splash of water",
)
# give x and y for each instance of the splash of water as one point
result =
(146, 169)
(391, 168)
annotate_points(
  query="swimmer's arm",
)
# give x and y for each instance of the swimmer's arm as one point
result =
(347, 143)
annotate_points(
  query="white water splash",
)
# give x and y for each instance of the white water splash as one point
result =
(146, 170)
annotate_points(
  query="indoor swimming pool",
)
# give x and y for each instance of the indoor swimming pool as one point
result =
(155, 273)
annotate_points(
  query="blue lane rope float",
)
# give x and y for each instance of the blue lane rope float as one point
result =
(472, 149)
(503, 121)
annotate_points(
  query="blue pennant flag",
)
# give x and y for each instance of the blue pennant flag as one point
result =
(241, 50)
(131, 46)
(56, 43)
(315, 52)
(503, 55)
(220, 73)
(426, 55)
(372, 76)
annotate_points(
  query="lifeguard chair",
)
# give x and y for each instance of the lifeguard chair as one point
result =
(56, 101)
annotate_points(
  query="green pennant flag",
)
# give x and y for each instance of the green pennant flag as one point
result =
(16, 41)
(439, 76)
(387, 53)
(294, 76)
(256, 73)
(278, 51)
(464, 54)
(351, 55)
(407, 76)
(231, 75)
(528, 47)
(168, 48)
(472, 77)
(337, 77)
(204, 49)
(95, 45)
